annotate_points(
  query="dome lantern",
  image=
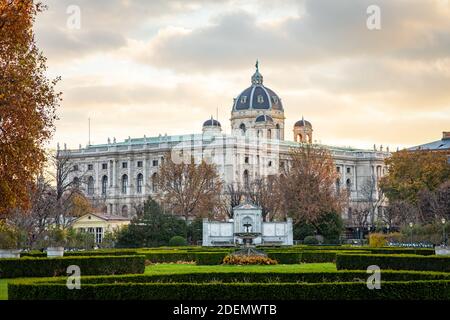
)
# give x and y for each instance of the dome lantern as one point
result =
(257, 78)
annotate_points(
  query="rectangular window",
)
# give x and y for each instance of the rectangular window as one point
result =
(98, 235)
(338, 169)
(349, 170)
(246, 159)
(75, 167)
(155, 163)
(90, 167)
(124, 165)
(104, 166)
(139, 164)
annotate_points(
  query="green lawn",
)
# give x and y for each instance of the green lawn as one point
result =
(188, 268)
(3, 289)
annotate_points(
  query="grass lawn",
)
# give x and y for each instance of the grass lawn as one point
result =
(165, 268)
(3, 289)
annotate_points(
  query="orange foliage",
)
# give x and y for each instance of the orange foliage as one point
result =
(246, 260)
(27, 103)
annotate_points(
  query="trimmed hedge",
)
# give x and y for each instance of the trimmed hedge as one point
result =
(209, 258)
(424, 290)
(285, 257)
(261, 277)
(393, 262)
(49, 267)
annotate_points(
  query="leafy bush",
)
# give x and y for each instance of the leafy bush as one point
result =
(431, 233)
(310, 240)
(195, 231)
(81, 240)
(248, 260)
(48, 267)
(177, 241)
(377, 240)
(10, 237)
(393, 262)
(153, 228)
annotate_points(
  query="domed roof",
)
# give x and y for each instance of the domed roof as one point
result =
(257, 96)
(211, 123)
(303, 123)
(264, 118)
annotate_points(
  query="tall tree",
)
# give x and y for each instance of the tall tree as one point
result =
(411, 172)
(370, 199)
(151, 227)
(189, 189)
(264, 192)
(308, 184)
(28, 103)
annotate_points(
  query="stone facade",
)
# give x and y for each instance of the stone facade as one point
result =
(121, 174)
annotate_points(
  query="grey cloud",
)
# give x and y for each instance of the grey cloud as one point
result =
(327, 30)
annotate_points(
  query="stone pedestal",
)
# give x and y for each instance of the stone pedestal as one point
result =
(442, 250)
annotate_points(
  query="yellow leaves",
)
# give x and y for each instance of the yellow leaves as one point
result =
(411, 172)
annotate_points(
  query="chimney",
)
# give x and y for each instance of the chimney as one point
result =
(445, 135)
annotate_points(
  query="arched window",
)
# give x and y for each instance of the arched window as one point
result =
(90, 186)
(243, 129)
(124, 184)
(246, 179)
(104, 184)
(125, 211)
(299, 138)
(269, 134)
(76, 182)
(348, 184)
(155, 182)
(140, 181)
(278, 133)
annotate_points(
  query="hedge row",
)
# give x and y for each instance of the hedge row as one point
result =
(262, 277)
(398, 290)
(393, 262)
(49, 267)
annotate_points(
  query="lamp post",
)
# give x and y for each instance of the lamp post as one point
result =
(411, 225)
(387, 228)
(443, 231)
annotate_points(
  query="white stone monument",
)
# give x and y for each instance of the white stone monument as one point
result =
(247, 219)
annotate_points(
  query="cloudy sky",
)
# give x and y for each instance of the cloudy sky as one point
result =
(138, 67)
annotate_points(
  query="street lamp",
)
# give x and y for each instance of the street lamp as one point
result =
(411, 225)
(387, 227)
(443, 231)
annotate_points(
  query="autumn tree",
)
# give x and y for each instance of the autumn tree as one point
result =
(69, 198)
(434, 205)
(308, 184)
(264, 192)
(189, 189)
(370, 199)
(411, 172)
(27, 103)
